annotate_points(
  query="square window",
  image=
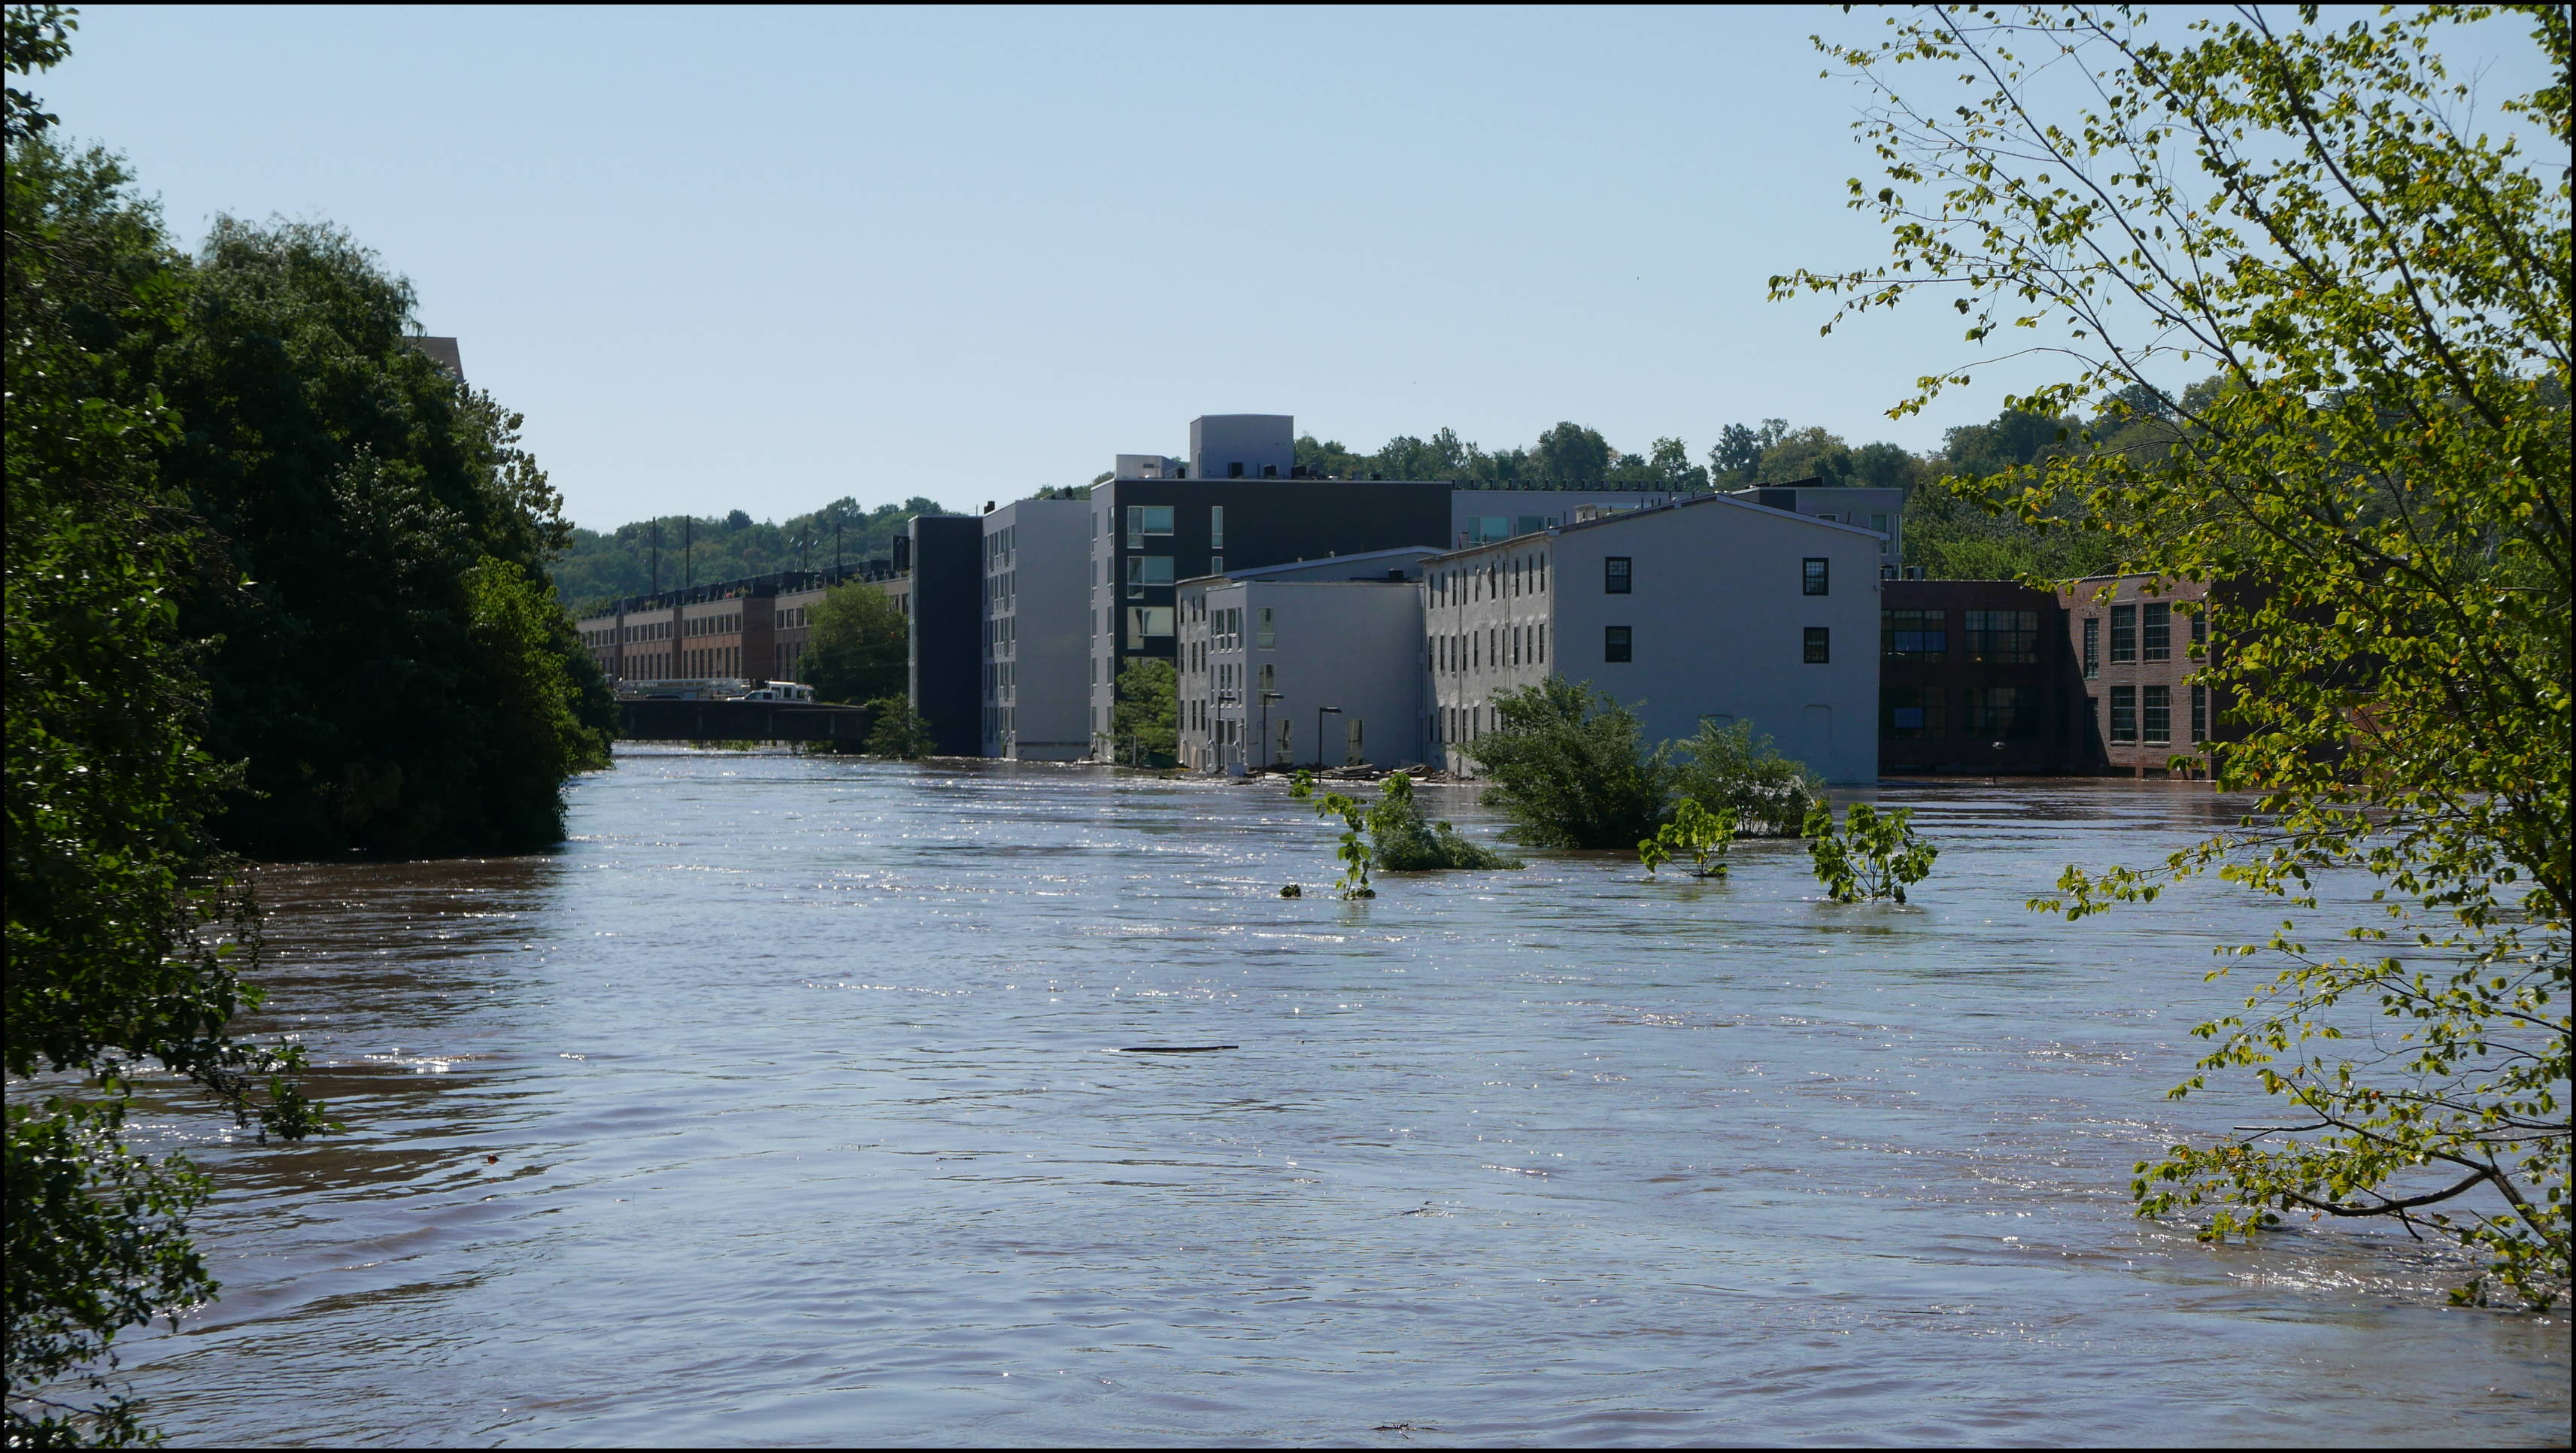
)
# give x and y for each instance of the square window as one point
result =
(1913, 713)
(1914, 635)
(2003, 713)
(1617, 643)
(2124, 633)
(1820, 645)
(1814, 577)
(2010, 637)
(1618, 575)
(2157, 714)
(2158, 642)
(2124, 713)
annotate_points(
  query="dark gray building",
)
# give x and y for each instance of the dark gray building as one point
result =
(947, 556)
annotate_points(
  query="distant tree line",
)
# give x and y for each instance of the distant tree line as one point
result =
(597, 566)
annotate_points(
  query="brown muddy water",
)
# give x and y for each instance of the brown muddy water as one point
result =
(788, 1103)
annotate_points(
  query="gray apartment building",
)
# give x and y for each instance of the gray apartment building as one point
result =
(1036, 651)
(1714, 608)
(1311, 664)
(1237, 503)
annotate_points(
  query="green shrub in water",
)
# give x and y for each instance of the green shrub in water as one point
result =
(1695, 830)
(1874, 856)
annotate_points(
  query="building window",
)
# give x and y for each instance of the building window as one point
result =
(2124, 713)
(1216, 528)
(2124, 633)
(2009, 637)
(1267, 637)
(1617, 643)
(1234, 469)
(1147, 620)
(1618, 575)
(1216, 565)
(1912, 713)
(1913, 635)
(1145, 570)
(2092, 647)
(2002, 713)
(1813, 578)
(2200, 625)
(1143, 520)
(1269, 677)
(2199, 711)
(1820, 645)
(2158, 645)
(2158, 711)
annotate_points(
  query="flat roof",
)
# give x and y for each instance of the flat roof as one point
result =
(1618, 517)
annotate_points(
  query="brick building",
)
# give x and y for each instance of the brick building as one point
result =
(1978, 676)
(2132, 647)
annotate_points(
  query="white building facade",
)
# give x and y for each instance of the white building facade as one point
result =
(1714, 608)
(1035, 635)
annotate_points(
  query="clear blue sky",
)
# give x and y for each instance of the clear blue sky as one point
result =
(734, 258)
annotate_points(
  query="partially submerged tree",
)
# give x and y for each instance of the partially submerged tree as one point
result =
(899, 731)
(2384, 292)
(1570, 767)
(1400, 839)
(1147, 719)
(1729, 768)
(1872, 856)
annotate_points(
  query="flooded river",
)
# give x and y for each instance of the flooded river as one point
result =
(792, 1102)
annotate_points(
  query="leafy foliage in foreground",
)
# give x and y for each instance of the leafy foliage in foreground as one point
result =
(126, 934)
(2385, 454)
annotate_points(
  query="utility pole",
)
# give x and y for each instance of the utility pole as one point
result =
(657, 557)
(688, 551)
(836, 549)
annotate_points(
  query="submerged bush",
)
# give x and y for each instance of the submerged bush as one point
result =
(1872, 857)
(1398, 839)
(1569, 767)
(1695, 830)
(1729, 769)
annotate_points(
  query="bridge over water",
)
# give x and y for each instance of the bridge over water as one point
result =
(740, 721)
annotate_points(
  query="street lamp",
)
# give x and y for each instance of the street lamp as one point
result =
(1319, 733)
(1267, 697)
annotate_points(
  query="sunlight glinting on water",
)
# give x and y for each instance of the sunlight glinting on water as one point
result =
(797, 1100)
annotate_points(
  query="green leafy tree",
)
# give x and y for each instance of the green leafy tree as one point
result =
(359, 488)
(1570, 769)
(1400, 838)
(1764, 793)
(899, 731)
(1147, 718)
(1694, 830)
(1874, 855)
(1571, 454)
(2385, 295)
(128, 933)
(857, 646)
